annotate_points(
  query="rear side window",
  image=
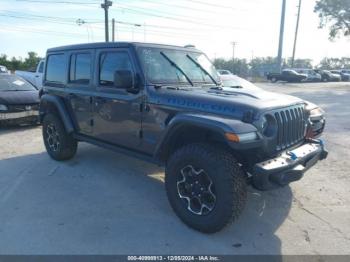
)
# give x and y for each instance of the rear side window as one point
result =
(56, 69)
(80, 68)
(111, 62)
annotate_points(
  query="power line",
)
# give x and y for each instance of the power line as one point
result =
(178, 18)
(57, 2)
(212, 5)
(185, 7)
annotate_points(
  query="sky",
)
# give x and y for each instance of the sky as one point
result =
(212, 26)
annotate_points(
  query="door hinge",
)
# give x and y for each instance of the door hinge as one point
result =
(140, 134)
(91, 122)
(144, 107)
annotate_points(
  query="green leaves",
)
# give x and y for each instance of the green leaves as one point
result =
(336, 15)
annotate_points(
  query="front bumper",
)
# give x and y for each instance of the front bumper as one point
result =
(18, 118)
(288, 166)
(17, 115)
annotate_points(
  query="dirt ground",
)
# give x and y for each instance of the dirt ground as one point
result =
(102, 202)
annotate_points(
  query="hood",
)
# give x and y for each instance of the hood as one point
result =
(233, 102)
(19, 97)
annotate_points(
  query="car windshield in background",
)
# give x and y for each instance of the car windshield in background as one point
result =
(3, 69)
(237, 82)
(14, 83)
(160, 70)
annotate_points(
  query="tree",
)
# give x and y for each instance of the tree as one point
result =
(334, 63)
(14, 63)
(337, 14)
(260, 66)
(31, 61)
(298, 63)
(238, 67)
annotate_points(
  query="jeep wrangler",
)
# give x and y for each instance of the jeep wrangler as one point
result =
(167, 104)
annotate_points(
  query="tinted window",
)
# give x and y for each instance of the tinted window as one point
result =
(80, 65)
(111, 62)
(56, 68)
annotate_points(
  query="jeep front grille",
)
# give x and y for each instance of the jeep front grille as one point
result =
(291, 126)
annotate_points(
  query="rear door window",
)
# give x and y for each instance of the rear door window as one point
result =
(80, 68)
(56, 68)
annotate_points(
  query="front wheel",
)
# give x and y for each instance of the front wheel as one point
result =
(205, 186)
(59, 144)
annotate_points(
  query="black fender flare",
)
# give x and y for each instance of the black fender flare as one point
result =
(47, 101)
(218, 124)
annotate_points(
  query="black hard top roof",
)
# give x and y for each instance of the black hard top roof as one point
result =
(114, 45)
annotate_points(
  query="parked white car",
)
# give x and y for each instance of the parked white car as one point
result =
(4, 70)
(224, 72)
(35, 77)
(312, 76)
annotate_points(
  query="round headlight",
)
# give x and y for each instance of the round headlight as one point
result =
(3, 107)
(264, 124)
(268, 125)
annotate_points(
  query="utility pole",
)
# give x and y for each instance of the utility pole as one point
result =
(233, 55)
(113, 30)
(296, 33)
(105, 6)
(280, 45)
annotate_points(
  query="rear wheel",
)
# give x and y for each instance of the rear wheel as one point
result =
(59, 144)
(205, 186)
(273, 79)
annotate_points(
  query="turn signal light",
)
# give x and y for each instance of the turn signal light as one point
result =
(232, 137)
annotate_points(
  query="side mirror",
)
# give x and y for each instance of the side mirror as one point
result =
(123, 79)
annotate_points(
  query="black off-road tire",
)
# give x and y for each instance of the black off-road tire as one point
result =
(67, 144)
(273, 79)
(228, 179)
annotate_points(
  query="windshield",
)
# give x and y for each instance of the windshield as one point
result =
(3, 69)
(159, 70)
(14, 83)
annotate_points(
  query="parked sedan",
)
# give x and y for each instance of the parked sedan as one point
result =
(344, 76)
(19, 101)
(328, 76)
(312, 75)
(287, 75)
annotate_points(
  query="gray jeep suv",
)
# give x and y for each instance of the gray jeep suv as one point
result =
(166, 104)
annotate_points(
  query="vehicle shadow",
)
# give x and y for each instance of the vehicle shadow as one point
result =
(102, 202)
(6, 129)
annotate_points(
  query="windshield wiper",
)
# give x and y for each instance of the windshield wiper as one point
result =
(177, 67)
(202, 68)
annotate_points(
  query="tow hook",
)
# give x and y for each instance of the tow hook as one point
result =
(292, 155)
(320, 142)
